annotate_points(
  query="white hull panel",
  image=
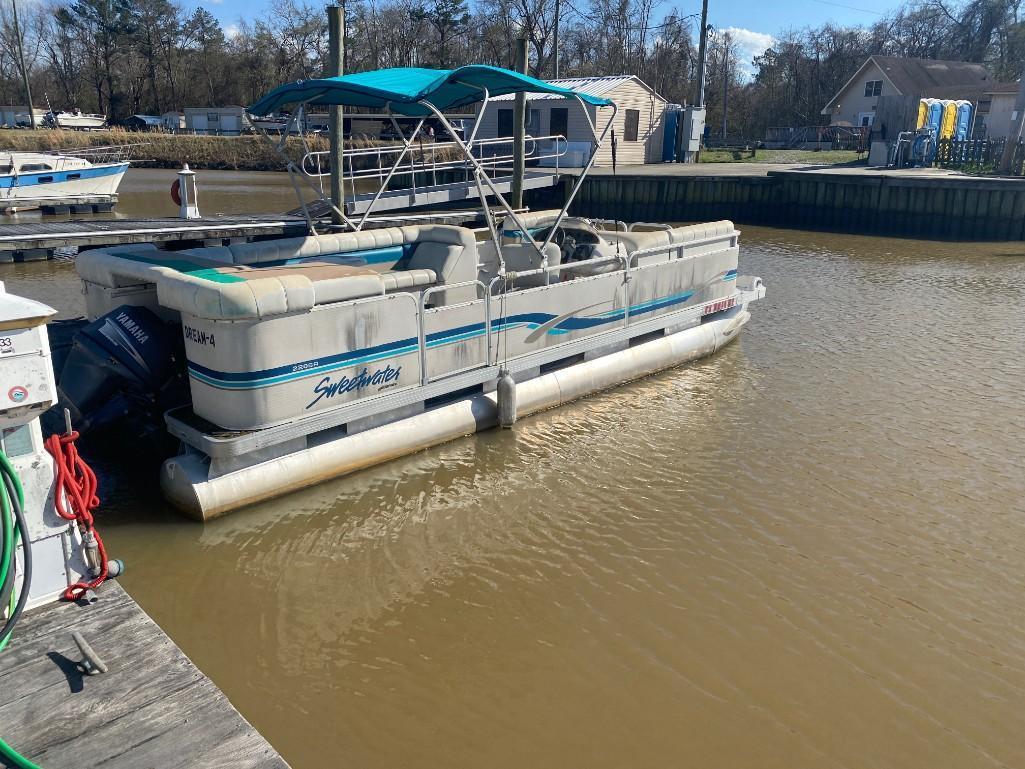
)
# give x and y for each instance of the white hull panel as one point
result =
(61, 187)
(185, 478)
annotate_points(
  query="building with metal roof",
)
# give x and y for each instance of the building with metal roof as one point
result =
(639, 123)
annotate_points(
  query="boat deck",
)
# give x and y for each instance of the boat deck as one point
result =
(153, 708)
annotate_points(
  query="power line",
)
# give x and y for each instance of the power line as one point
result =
(848, 7)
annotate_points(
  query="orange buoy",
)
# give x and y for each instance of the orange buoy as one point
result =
(176, 192)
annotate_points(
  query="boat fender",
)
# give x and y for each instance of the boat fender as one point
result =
(506, 391)
(176, 192)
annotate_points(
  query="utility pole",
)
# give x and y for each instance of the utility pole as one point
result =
(1014, 136)
(699, 101)
(519, 125)
(345, 38)
(336, 67)
(683, 155)
(24, 71)
(558, 8)
(725, 79)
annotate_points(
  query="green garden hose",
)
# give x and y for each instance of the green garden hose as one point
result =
(12, 530)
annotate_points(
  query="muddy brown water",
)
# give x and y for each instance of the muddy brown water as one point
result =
(806, 551)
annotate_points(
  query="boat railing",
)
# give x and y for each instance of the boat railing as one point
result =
(648, 226)
(382, 162)
(425, 377)
(113, 153)
(488, 292)
(680, 247)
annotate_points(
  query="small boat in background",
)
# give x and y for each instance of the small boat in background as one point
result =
(269, 123)
(40, 175)
(77, 120)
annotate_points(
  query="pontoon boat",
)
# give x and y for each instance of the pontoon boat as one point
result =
(307, 358)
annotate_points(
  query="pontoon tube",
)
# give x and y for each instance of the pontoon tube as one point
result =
(184, 478)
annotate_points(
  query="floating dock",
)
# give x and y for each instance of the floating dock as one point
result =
(77, 204)
(38, 240)
(152, 708)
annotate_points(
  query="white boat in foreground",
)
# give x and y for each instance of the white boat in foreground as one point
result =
(54, 176)
(308, 358)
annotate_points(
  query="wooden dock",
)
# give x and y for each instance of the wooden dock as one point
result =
(153, 709)
(76, 204)
(38, 240)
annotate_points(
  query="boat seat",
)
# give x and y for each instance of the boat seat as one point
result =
(398, 280)
(532, 220)
(137, 264)
(523, 257)
(238, 292)
(641, 240)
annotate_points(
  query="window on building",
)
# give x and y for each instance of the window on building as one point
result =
(505, 122)
(873, 87)
(633, 121)
(213, 117)
(558, 124)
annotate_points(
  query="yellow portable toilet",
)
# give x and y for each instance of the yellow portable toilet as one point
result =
(949, 124)
(923, 113)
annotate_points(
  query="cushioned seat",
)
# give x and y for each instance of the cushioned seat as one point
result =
(644, 239)
(134, 265)
(402, 279)
(235, 292)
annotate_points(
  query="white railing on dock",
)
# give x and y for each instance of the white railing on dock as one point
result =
(376, 163)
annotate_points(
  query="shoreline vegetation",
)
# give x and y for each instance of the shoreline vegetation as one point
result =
(249, 152)
(160, 150)
(254, 153)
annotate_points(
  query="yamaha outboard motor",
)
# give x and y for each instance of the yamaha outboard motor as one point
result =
(123, 371)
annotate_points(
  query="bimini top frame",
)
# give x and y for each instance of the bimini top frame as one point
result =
(422, 93)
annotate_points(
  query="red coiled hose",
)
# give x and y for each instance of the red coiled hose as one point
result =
(77, 481)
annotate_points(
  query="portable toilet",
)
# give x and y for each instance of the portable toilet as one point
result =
(672, 120)
(949, 122)
(963, 128)
(923, 113)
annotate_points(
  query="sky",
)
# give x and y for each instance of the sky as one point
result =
(752, 23)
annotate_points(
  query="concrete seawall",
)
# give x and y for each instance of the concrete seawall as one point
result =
(927, 204)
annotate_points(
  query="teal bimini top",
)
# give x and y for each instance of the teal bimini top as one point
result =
(403, 87)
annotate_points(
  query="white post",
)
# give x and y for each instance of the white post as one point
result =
(188, 208)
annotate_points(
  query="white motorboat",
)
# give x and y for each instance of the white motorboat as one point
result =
(53, 176)
(76, 120)
(307, 358)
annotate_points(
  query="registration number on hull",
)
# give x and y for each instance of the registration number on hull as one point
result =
(722, 304)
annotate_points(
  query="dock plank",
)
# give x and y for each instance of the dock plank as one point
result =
(61, 234)
(154, 708)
